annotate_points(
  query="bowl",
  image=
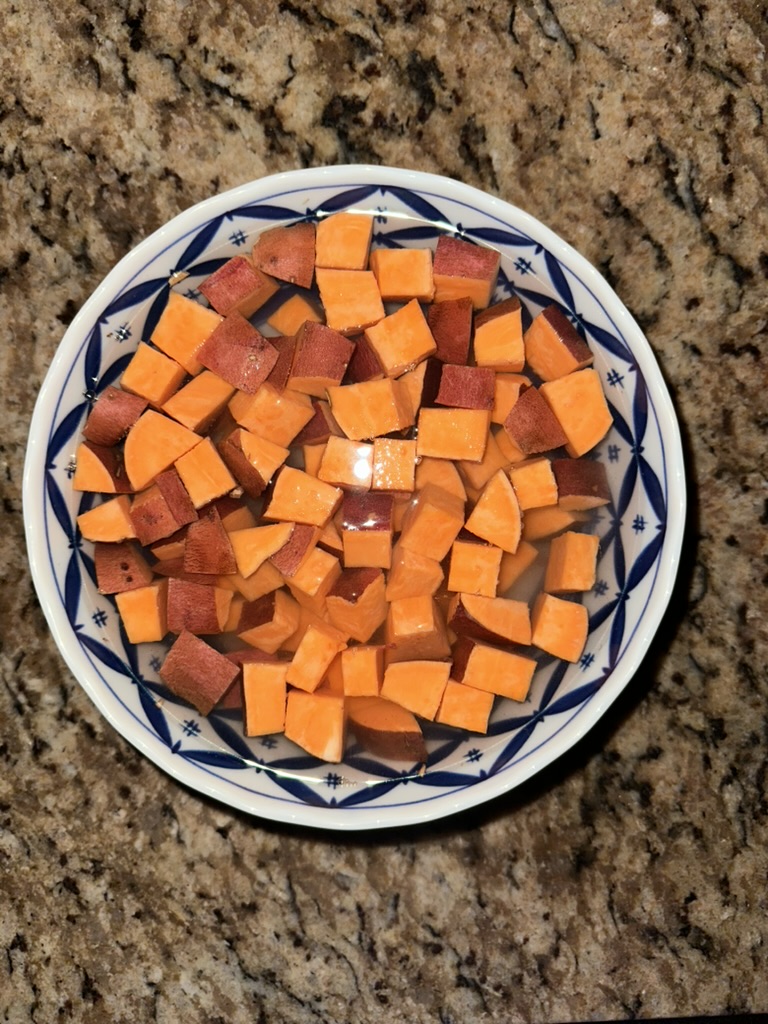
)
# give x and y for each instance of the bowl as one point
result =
(640, 531)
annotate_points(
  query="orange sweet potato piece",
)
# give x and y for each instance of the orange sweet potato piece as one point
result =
(120, 567)
(578, 402)
(403, 274)
(112, 415)
(153, 444)
(298, 497)
(366, 524)
(506, 392)
(394, 464)
(451, 325)
(364, 364)
(540, 523)
(453, 433)
(534, 483)
(268, 621)
(238, 353)
(514, 565)
(238, 287)
(553, 346)
(581, 484)
(287, 252)
(496, 620)
(289, 317)
(493, 669)
(401, 339)
(320, 359)
(296, 550)
(320, 427)
(356, 603)
(371, 408)
(343, 241)
(415, 628)
(197, 673)
(182, 328)
(386, 729)
(144, 612)
(474, 567)
(418, 686)
(412, 574)
(465, 707)
(362, 670)
(496, 517)
(463, 269)
(207, 547)
(559, 627)
(532, 425)
(199, 402)
(316, 722)
(351, 299)
(254, 545)
(432, 522)
(252, 460)
(264, 697)
(312, 658)
(466, 387)
(275, 415)
(572, 563)
(477, 474)
(151, 516)
(108, 522)
(346, 463)
(100, 469)
(197, 607)
(314, 578)
(204, 473)
(442, 473)
(498, 340)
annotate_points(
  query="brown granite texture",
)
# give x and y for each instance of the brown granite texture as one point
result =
(630, 878)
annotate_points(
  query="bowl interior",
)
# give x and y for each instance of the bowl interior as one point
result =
(639, 532)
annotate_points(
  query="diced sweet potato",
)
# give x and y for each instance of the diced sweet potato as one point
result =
(362, 670)
(176, 495)
(508, 447)
(320, 359)
(442, 473)
(514, 565)
(265, 580)
(477, 474)
(401, 339)
(532, 425)
(238, 287)
(572, 563)
(474, 567)
(289, 317)
(492, 669)
(498, 340)
(153, 444)
(108, 522)
(311, 660)
(346, 463)
(351, 299)
(144, 612)
(208, 548)
(496, 620)
(151, 517)
(356, 603)
(432, 522)
(466, 387)
(287, 252)
(394, 464)
(252, 460)
(311, 457)
(182, 328)
(253, 546)
(465, 707)
(112, 415)
(496, 517)
(320, 427)
(578, 402)
(204, 473)
(422, 383)
(412, 574)
(316, 723)
(120, 567)
(344, 240)
(239, 354)
(461, 269)
(275, 415)
(198, 608)
(197, 673)
(453, 433)
(170, 548)
(386, 729)
(100, 469)
(415, 628)
(371, 408)
(366, 525)
(582, 484)
(540, 523)
(298, 497)
(418, 686)
(235, 515)
(281, 371)
(199, 402)
(264, 697)
(534, 483)
(364, 364)
(403, 274)
(507, 388)
(559, 627)
(553, 346)
(314, 578)
(333, 682)
(451, 325)
(308, 618)
(296, 550)
(267, 622)
(173, 568)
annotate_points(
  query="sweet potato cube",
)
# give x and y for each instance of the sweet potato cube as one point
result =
(364, 364)
(120, 567)
(507, 388)
(412, 574)
(344, 240)
(578, 402)
(275, 415)
(508, 448)
(532, 425)
(312, 658)
(176, 495)
(477, 474)
(356, 604)
(144, 612)
(108, 522)
(386, 729)
(394, 464)
(100, 469)
(466, 387)
(289, 317)
(204, 473)
(153, 444)
(296, 550)
(332, 681)
(463, 269)
(453, 433)
(402, 339)
(298, 497)
(496, 517)
(582, 484)
(362, 670)
(264, 697)
(311, 457)
(415, 628)
(442, 473)
(307, 618)
(199, 402)
(268, 621)
(253, 546)
(496, 620)
(235, 515)
(252, 460)
(233, 619)
(112, 415)
(265, 580)
(170, 548)
(418, 686)
(513, 565)
(316, 723)
(347, 463)
(465, 707)
(182, 328)
(492, 669)
(238, 287)
(238, 353)
(451, 325)
(196, 607)
(320, 427)
(541, 523)
(366, 530)
(553, 346)
(474, 567)
(371, 408)
(281, 371)
(403, 274)
(151, 516)
(208, 548)
(287, 252)
(534, 483)
(315, 577)
(197, 673)
(498, 340)
(350, 298)
(559, 627)
(432, 522)
(572, 563)
(320, 359)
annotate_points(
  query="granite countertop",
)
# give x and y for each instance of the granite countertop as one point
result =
(627, 879)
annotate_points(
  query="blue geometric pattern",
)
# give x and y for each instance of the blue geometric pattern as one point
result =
(632, 531)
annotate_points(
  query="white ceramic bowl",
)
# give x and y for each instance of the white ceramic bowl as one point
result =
(641, 532)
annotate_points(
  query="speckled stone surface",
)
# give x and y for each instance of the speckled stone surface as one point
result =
(630, 878)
